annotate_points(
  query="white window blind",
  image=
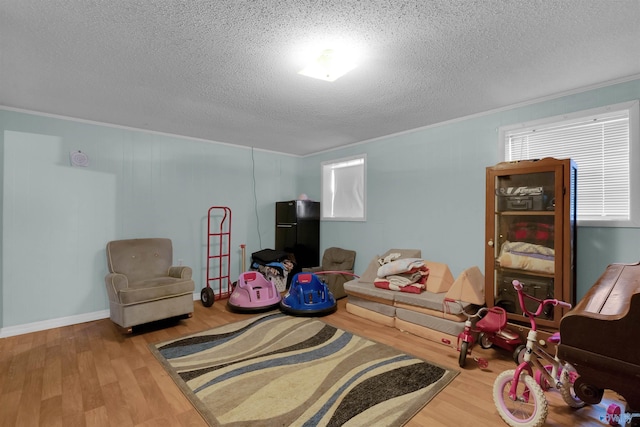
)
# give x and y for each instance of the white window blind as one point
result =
(600, 146)
(343, 189)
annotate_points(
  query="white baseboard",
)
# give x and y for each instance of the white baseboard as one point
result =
(11, 331)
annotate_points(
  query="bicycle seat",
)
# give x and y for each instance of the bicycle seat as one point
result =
(554, 339)
(495, 320)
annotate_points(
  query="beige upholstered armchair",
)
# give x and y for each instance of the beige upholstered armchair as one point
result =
(336, 259)
(142, 284)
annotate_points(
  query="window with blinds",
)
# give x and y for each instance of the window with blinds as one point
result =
(343, 189)
(600, 142)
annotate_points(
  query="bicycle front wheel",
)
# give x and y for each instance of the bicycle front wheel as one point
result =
(462, 357)
(530, 407)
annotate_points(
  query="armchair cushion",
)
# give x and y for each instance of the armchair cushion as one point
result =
(153, 289)
(338, 259)
(140, 259)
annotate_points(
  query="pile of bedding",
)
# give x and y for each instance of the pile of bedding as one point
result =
(403, 275)
(275, 266)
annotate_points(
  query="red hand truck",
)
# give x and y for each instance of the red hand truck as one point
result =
(218, 255)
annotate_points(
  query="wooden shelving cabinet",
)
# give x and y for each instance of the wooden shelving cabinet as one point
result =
(531, 235)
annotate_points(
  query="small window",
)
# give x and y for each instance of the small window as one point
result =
(600, 141)
(343, 189)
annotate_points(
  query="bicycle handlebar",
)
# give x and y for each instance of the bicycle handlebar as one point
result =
(517, 285)
(541, 303)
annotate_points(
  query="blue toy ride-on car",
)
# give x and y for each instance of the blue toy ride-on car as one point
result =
(308, 296)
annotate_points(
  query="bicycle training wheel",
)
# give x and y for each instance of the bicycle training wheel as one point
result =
(529, 409)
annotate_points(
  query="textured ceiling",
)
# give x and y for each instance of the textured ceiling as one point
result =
(227, 70)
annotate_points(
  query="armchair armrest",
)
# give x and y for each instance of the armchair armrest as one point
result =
(115, 282)
(180, 272)
(312, 269)
(345, 277)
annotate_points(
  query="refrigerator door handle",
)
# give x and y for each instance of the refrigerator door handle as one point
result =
(285, 225)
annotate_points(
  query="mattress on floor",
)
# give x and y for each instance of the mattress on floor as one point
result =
(446, 326)
(421, 331)
(370, 315)
(384, 309)
(431, 301)
(430, 312)
(423, 299)
(368, 291)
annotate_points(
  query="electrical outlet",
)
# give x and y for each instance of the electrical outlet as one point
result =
(180, 261)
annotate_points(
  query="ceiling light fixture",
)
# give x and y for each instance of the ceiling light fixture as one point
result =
(329, 66)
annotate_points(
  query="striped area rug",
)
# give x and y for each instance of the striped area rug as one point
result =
(278, 370)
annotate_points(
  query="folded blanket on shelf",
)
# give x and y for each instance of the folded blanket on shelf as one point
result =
(527, 248)
(527, 256)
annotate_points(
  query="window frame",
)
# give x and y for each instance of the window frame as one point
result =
(634, 155)
(327, 166)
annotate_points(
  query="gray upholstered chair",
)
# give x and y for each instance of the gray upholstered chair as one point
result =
(143, 285)
(336, 259)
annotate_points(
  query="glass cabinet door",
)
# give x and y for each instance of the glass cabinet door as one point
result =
(524, 240)
(530, 232)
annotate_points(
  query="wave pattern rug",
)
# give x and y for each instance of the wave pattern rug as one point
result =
(278, 370)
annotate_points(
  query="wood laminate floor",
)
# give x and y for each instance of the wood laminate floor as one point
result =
(90, 374)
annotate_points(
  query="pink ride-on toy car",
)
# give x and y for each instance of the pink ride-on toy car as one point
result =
(253, 293)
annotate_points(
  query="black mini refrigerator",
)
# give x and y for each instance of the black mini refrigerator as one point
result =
(298, 231)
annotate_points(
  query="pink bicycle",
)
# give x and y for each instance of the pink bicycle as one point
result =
(517, 393)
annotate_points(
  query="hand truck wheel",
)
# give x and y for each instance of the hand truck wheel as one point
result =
(207, 297)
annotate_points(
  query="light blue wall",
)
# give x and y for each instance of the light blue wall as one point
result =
(426, 190)
(1, 221)
(57, 219)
